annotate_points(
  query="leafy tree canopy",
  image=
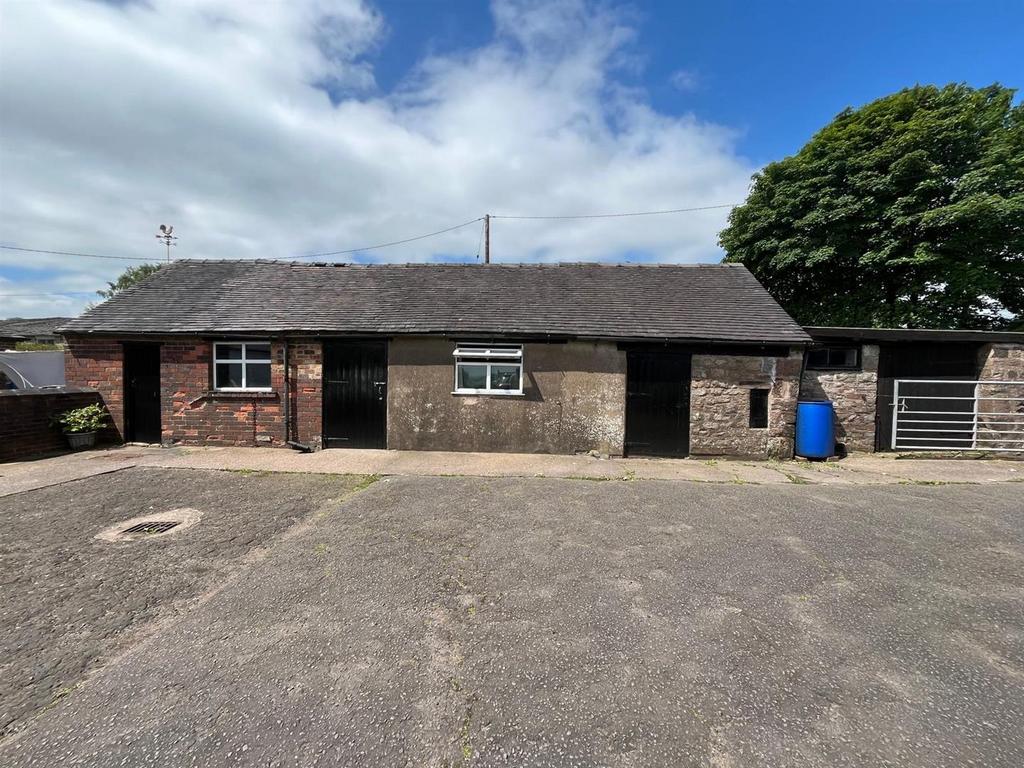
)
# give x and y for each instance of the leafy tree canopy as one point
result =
(128, 278)
(908, 212)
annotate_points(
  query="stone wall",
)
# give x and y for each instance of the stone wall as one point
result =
(853, 394)
(26, 419)
(574, 400)
(1001, 363)
(720, 404)
(191, 411)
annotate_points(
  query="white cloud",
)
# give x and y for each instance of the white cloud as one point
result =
(218, 120)
(685, 80)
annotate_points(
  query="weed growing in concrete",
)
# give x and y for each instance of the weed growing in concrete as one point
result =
(365, 483)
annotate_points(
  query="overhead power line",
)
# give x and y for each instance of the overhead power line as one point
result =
(620, 215)
(394, 242)
(72, 253)
(379, 246)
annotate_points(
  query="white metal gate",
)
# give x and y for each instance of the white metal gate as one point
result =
(958, 415)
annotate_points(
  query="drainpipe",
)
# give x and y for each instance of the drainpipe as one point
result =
(288, 408)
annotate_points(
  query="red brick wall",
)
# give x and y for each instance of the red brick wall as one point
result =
(98, 363)
(305, 359)
(26, 420)
(192, 413)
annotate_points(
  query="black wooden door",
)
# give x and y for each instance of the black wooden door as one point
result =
(355, 394)
(657, 403)
(142, 393)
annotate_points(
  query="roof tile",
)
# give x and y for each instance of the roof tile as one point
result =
(707, 302)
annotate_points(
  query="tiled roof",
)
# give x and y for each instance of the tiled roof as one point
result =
(26, 327)
(708, 302)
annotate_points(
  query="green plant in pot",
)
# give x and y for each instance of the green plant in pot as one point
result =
(80, 425)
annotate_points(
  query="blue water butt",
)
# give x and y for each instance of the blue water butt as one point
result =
(815, 430)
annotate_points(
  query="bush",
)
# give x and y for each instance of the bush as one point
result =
(88, 419)
(36, 346)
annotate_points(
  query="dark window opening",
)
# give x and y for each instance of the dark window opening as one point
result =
(758, 408)
(834, 359)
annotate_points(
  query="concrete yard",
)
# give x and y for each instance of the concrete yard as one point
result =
(485, 621)
(858, 469)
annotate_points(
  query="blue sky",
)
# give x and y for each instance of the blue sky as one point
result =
(322, 125)
(774, 71)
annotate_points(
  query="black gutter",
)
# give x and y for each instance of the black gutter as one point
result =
(819, 333)
(523, 336)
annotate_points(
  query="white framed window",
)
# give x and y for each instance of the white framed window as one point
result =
(240, 366)
(491, 370)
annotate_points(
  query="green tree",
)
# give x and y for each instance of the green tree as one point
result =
(907, 212)
(128, 278)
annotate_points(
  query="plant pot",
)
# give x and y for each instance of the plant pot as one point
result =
(80, 440)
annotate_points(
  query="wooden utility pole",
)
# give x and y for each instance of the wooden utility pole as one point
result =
(487, 238)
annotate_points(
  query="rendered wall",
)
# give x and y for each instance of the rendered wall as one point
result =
(574, 401)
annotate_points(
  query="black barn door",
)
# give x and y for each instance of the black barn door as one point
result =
(142, 393)
(355, 394)
(657, 403)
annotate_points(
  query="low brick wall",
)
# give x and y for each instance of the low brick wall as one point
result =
(26, 415)
(853, 395)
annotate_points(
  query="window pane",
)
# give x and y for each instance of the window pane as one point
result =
(229, 375)
(257, 351)
(504, 377)
(472, 376)
(257, 375)
(844, 358)
(817, 358)
(229, 352)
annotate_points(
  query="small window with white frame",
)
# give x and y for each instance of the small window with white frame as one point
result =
(240, 366)
(488, 370)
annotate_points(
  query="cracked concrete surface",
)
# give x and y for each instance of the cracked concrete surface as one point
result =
(454, 621)
(73, 600)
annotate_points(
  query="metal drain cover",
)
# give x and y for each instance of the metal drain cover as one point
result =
(158, 526)
(151, 526)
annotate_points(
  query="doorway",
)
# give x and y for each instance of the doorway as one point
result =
(142, 393)
(657, 403)
(355, 380)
